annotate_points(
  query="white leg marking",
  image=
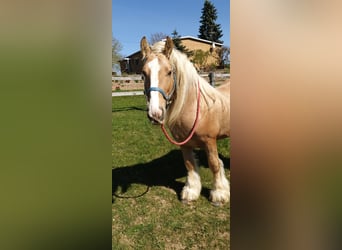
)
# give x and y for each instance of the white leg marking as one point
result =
(192, 188)
(154, 110)
(221, 191)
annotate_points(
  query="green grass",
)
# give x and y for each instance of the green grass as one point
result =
(148, 175)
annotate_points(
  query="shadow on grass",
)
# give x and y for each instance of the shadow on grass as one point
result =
(128, 108)
(163, 171)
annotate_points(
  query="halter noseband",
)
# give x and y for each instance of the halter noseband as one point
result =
(162, 92)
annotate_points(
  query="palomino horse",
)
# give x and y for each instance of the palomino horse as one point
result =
(196, 113)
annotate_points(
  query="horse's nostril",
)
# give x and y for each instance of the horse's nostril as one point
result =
(156, 116)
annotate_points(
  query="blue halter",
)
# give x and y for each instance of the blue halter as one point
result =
(162, 92)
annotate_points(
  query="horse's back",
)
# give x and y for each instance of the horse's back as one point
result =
(224, 88)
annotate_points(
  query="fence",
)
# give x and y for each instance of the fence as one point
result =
(138, 77)
(135, 82)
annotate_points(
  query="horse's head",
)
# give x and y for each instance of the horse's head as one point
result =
(159, 79)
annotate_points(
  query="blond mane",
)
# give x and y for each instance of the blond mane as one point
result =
(187, 80)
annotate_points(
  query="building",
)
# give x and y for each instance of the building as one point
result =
(132, 64)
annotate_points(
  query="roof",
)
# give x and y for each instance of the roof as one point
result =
(181, 38)
(200, 40)
(130, 56)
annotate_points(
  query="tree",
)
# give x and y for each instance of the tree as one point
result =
(116, 48)
(156, 37)
(223, 56)
(178, 43)
(200, 59)
(208, 29)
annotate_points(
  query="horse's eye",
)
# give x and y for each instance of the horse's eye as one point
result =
(169, 73)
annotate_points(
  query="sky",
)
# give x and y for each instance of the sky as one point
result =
(133, 19)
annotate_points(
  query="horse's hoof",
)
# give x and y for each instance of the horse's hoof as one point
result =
(217, 204)
(186, 202)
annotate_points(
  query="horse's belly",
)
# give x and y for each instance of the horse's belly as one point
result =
(215, 125)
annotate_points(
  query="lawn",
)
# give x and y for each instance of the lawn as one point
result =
(147, 177)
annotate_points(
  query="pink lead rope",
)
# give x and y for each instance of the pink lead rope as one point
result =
(194, 126)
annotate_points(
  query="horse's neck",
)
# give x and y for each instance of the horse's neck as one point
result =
(186, 96)
(189, 90)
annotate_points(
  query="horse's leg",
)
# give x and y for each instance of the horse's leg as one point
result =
(221, 190)
(192, 188)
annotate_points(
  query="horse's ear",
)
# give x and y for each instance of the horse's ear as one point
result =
(145, 47)
(168, 47)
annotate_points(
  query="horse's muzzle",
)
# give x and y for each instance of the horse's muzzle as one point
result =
(156, 118)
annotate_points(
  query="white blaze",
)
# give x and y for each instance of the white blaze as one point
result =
(154, 100)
